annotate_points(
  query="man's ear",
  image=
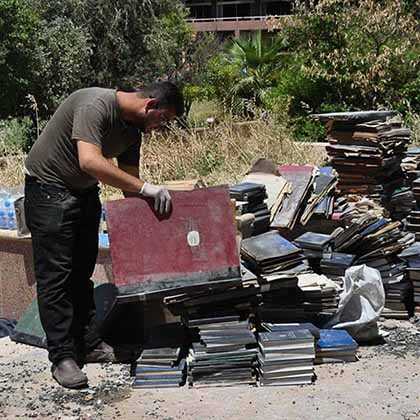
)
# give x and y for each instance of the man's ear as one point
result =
(151, 103)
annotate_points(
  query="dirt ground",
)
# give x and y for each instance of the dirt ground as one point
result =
(383, 384)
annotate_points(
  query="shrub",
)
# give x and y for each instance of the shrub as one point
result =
(15, 136)
(364, 54)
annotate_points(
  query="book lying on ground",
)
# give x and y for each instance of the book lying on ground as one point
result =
(335, 346)
(286, 357)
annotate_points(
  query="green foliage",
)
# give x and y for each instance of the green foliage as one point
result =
(364, 54)
(254, 63)
(49, 48)
(62, 62)
(18, 40)
(15, 135)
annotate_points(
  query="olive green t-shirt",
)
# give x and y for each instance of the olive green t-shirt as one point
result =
(90, 115)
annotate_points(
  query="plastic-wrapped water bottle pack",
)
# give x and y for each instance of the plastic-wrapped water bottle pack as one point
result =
(8, 196)
(7, 212)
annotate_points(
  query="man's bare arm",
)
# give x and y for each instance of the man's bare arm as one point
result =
(133, 171)
(95, 164)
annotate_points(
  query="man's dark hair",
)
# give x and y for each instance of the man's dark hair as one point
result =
(167, 94)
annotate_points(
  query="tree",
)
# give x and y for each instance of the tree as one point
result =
(181, 55)
(257, 62)
(367, 52)
(48, 48)
(18, 40)
(62, 62)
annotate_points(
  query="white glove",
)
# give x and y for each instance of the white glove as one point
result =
(160, 194)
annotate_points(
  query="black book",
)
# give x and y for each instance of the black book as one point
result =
(311, 240)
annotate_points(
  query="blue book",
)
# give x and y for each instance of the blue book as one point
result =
(333, 338)
(374, 227)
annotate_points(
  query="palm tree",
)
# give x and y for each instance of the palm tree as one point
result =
(257, 61)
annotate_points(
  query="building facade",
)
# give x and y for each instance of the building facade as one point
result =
(234, 16)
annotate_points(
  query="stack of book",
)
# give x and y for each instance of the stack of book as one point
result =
(377, 242)
(314, 245)
(321, 200)
(413, 219)
(320, 296)
(160, 368)
(226, 301)
(334, 265)
(402, 203)
(335, 346)
(276, 262)
(411, 163)
(226, 354)
(282, 303)
(301, 180)
(284, 327)
(270, 255)
(366, 151)
(250, 198)
(286, 357)
(411, 256)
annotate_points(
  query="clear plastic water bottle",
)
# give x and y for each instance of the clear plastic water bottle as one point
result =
(3, 213)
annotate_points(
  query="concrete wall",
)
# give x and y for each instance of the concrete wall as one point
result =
(17, 280)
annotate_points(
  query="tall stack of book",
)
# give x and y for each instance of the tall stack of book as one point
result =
(335, 346)
(160, 368)
(411, 164)
(377, 242)
(276, 262)
(286, 357)
(401, 203)
(226, 354)
(413, 219)
(250, 198)
(366, 151)
(411, 256)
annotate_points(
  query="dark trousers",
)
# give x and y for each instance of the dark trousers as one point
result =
(64, 228)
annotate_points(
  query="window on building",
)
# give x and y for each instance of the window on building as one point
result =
(273, 7)
(200, 9)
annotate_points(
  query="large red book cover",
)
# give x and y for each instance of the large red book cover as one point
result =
(195, 243)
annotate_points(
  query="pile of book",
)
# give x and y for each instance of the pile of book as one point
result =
(377, 242)
(320, 296)
(314, 245)
(160, 368)
(225, 355)
(270, 256)
(250, 198)
(401, 203)
(411, 256)
(413, 218)
(276, 263)
(366, 150)
(286, 357)
(334, 265)
(335, 346)
(301, 180)
(224, 301)
(411, 163)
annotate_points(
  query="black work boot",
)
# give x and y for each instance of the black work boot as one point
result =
(104, 353)
(68, 374)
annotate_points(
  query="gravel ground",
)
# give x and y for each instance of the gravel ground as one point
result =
(383, 384)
